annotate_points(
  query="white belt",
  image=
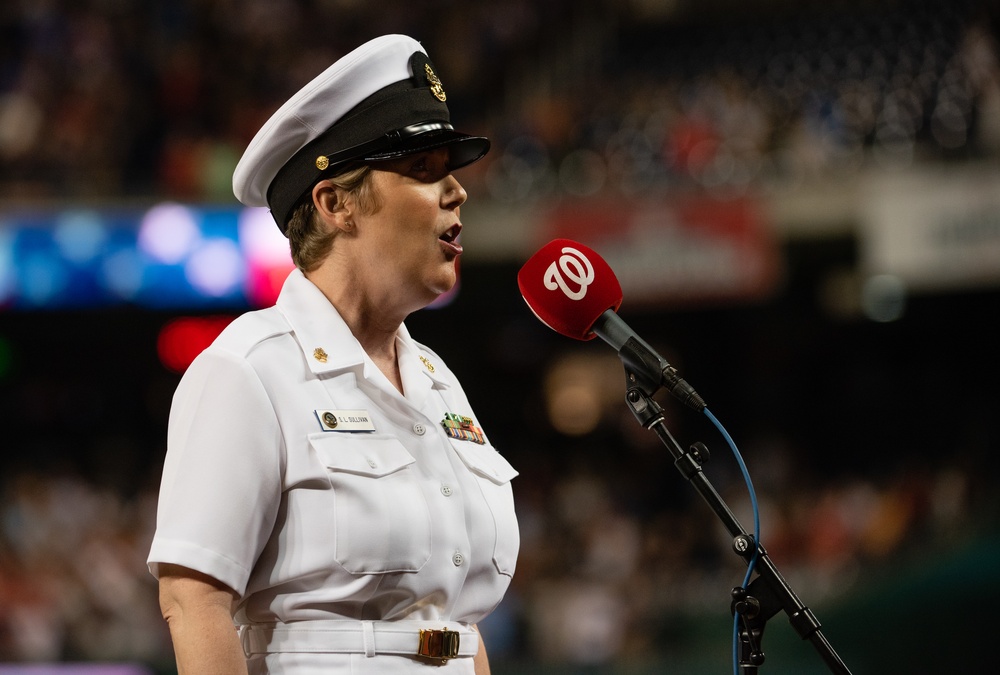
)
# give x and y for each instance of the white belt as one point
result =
(437, 640)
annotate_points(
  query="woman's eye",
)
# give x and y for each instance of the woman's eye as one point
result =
(428, 165)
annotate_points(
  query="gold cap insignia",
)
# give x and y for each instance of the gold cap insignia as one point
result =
(436, 88)
(322, 162)
(319, 355)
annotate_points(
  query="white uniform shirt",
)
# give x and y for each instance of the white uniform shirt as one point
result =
(390, 519)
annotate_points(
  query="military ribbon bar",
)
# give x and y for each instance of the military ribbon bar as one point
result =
(462, 428)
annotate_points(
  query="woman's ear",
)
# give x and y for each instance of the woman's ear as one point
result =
(332, 205)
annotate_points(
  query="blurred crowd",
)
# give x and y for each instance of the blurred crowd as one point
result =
(599, 581)
(72, 587)
(613, 560)
(759, 100)
(106, 99)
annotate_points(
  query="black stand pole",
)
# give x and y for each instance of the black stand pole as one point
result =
(768, 593)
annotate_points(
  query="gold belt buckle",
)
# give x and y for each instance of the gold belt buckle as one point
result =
(438, 644)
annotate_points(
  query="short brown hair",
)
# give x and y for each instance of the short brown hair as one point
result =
(309, 242)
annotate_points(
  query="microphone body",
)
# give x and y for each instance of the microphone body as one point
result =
(643, 361)
(573, 291)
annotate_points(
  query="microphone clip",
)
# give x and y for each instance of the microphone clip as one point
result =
(642, 367)
(646, 370)
(647, 411)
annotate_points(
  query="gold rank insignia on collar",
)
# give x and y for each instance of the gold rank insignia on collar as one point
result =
(427, 364)
(462, 428)
(320, 354)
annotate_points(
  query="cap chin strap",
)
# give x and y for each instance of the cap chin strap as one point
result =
(416, 130)
(375, 148)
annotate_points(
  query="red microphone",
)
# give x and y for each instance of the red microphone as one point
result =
(568, 287)
(573, 291)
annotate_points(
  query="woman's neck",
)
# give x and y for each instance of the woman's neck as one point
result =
(370, 316)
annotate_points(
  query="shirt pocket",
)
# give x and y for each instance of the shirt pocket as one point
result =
(382, 522)
(493, 475)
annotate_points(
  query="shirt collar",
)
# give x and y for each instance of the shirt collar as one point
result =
(418, 363)
(328, 343)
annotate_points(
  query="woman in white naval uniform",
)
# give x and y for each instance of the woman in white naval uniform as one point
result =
(327, 486)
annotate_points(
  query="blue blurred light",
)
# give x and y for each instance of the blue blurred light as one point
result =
(216, 268)
(121, 273)
(168, 233)
(80, 235)
(43, 280)
(7, 271)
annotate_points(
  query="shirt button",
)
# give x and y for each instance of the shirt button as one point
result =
(446, 490)
(419, 429)
(372, 463)
(458, 559)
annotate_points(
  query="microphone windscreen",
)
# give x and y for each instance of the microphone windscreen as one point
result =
(568, 286)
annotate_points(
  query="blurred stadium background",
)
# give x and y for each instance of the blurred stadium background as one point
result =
(802, 200)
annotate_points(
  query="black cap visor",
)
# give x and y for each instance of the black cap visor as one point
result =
(463, 149)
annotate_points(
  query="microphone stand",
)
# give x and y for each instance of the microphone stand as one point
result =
(768, 593)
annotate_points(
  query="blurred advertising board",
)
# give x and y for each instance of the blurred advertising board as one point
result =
(677, 251)
(167, 256)
(933, 229)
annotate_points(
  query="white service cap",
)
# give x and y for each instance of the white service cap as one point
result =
(380, 101)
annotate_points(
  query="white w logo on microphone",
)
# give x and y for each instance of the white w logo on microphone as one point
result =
(574, 266)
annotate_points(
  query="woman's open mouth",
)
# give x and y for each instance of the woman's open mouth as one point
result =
(449, 240)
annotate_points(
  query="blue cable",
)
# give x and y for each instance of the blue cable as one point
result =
(756, 529)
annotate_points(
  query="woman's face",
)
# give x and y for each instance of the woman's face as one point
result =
(408, 245)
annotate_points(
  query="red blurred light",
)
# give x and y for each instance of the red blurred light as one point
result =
(264, 282)
(182, 339)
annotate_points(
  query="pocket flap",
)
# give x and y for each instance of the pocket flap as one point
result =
(365, 455)
(485, 461)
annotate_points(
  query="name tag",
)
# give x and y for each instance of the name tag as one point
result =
(345, 420)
